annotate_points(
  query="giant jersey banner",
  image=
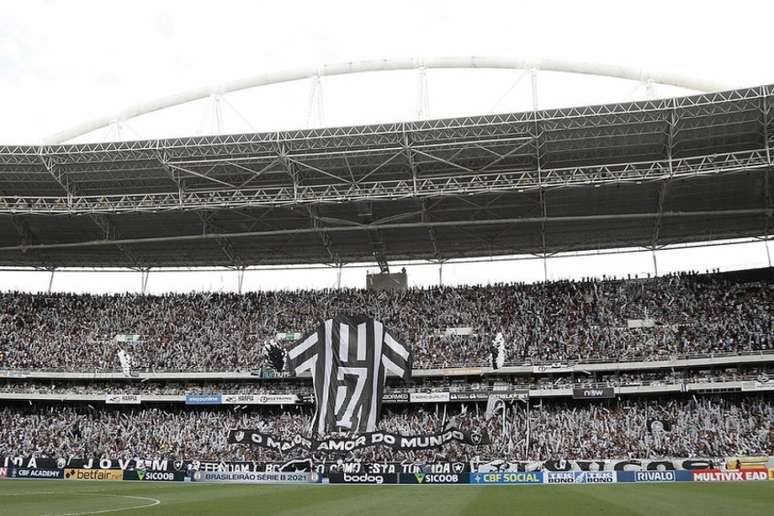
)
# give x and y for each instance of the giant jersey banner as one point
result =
(349, 359)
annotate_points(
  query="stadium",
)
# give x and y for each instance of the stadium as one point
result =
(502, 396)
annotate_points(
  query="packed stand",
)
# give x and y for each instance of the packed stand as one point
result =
(551, 322)
(707, 426)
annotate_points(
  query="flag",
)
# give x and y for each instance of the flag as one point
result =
(349, 359)
(126, 362)
(498, 351)
(493, 405)
(275, 354)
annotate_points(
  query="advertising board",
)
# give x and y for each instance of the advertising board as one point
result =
(433, 478)
(93, 474)
(579, 477)
(519, 477)
(363, 478)
(254, 477)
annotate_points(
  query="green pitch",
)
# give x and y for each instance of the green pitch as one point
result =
(62, 497)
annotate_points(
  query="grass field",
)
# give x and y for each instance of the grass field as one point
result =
(62, 497)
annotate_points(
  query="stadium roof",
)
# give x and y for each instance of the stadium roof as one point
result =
(649, 174)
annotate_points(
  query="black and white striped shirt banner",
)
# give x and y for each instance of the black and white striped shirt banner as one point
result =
(349, 358)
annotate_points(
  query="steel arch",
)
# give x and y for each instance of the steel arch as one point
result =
(383, 65)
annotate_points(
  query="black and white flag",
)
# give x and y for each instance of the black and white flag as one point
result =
(498, 351)
(125, 359)
(349, 359)
(275, 354)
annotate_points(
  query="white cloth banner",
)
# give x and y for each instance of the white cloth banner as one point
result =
(553, 368)
(126, 362)
(462, 331)
(640, 323)
(128, 337)
(260, 399)
(429, 397)
(122, 399)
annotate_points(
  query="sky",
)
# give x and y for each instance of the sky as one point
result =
(64, 62)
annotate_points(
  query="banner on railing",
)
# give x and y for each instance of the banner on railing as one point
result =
(556, 367)
(203, 399)
(469, 396)
(593, 393)
(122, 399)
(395, 397)
(259, 399)
(429, 397)
(356, 442)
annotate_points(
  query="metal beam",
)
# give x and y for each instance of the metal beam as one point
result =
(315, 219)
(110, 232)
(365, 213)
(224, 243)
(463, 184)
(199, 174)
(671, 124)
(397, 225)
(22, 227)
(430, 231)
(174, 176)
(55, 171)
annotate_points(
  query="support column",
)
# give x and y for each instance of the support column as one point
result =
(240, 279)
(533, 75)
(655, 263)
(650, 90)
(423, 97)
(766, 175)
(315, 106)
(218, 112)
(51, 279)
(144, 273)
(440, 274)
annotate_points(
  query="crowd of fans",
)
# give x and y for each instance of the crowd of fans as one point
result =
(561, 321)
(707, 426)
